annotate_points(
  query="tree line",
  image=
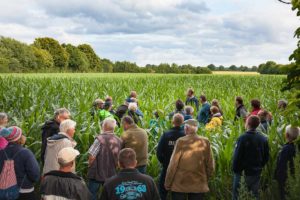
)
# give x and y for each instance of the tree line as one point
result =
(48, 55)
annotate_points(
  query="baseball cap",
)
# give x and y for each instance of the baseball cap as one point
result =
(67, 155)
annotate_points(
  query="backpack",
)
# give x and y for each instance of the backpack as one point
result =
(9, 189)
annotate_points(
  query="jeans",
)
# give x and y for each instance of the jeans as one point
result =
(252, 183)
(163, 193)
(94, 187)
(189, 196)
(142, 169)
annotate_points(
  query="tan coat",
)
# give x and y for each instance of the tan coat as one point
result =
(53, 147)
(137, 139)
(191, 165)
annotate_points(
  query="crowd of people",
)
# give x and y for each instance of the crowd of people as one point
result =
(118, 165)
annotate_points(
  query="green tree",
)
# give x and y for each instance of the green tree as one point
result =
(107, 65)
(94, 60)
(44, 59)
(20, 55)
(78, 60)
(59, 54)
(212, 67)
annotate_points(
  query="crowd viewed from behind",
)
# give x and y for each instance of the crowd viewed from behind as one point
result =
(117, 166)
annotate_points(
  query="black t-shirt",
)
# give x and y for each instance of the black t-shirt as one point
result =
(129, 184)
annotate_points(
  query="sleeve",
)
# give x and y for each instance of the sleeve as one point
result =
(154, 192)
(237, 157)
(172, 168)
(84, 193)
(210, 163)
(197, 104)
(31, 167)
(266, 152)
(45, 134)
(124, 138)
(160, 149)
(95, 148)
(104, 194)
(207, 113)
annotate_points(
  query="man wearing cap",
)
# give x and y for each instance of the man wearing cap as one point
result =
(62, 183)
(26, 166)
(129, 183)
(103, 156)
(191, 165)
(51, 128)
(57, 142)
(165, 149)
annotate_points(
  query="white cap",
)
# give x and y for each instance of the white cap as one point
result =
(67, 155)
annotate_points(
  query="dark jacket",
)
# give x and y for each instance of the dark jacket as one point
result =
(204, 113)
(104, 166)
(285, 160)
(166, 145)
(187, 117)
(175, 112)
(251, 153)
(193, 101)
(240, 112)
(121, 111)
(26, 167)
(134, 116)
(64, 184)
(49, 129)
(130, 184)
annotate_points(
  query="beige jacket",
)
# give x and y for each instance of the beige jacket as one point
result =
(191, 165)
(54, 145)
(137, 139)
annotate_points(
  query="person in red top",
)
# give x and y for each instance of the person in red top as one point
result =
(255, 104)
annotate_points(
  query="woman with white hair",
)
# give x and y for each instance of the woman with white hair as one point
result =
(132, 112)
(57, 142)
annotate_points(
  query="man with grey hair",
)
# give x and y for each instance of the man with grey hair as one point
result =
(285, 159)
(51, 127)
(57, 142)
(103, 156)
(191, 165)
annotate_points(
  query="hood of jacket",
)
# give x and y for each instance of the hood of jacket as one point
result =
(52, 141)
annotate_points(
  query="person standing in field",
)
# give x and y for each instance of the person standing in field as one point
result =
(129, 183)
(264, 123)
(26, 167)
(191, 99)
(189, 112)
(57, 142)
(241, 111)
(51, 128)
(251, 154)
(285, 159)
(103, 156)
(3, 124)
(256, 107)
(105, 112)
(97, 105)
(282, 104)
(63, 183)
(216, 120)
(179, 108)
(165, 149)
(136, 139)
(191, 165)
(204, 113)
(215, 102)
(132, 108)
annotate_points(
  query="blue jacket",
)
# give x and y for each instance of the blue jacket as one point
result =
(251, 153)
(204, 113)
(166, 145)
(25, 165)
(193, 101)
(285, 157)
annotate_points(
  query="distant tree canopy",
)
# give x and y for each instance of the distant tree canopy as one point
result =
(48, 55)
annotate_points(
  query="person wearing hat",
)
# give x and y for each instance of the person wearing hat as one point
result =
(191, 165)
(62, 183)
(165, 149)
(26, 166)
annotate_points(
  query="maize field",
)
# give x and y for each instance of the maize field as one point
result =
(30, 100)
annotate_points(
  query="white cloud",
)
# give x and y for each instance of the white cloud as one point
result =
(153, 31)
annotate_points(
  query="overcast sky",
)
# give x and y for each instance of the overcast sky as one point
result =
(196, 32)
